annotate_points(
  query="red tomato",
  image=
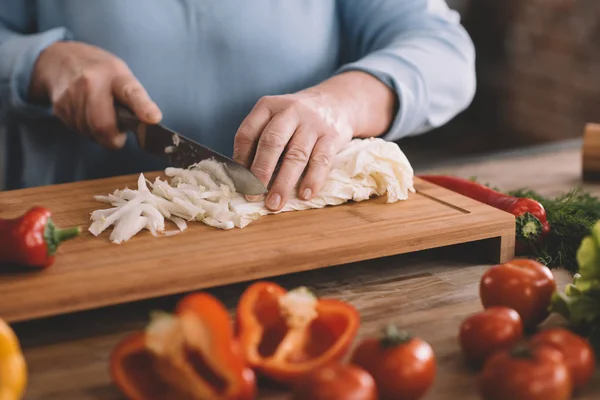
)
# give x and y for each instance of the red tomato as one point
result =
(336, 382)
(577, 352)
(538, 373)
(403, 367)
(523, 285)
(484, 333)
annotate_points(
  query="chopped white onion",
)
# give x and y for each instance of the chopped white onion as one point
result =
(128, 226)
(181, 224)
(205, 192)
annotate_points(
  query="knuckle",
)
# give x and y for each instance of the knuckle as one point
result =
(238, 153)
(261, 171)
(299, 103)
(321, 159)
(102, 127)
(292, 112)
(305, 105)
(131, 91)
(244, 135)
(273, 140)
(265, 101)
(116, 64)
(297, 154)
(84, 80)
(72, 92)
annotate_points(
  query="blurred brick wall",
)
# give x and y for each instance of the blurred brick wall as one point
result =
(538, 69)
(553, 68)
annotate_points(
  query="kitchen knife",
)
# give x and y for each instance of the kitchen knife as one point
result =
(182, 152)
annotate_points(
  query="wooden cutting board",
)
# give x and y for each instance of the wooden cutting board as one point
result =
(91, 272)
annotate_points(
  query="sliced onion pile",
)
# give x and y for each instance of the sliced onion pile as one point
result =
(205, 193)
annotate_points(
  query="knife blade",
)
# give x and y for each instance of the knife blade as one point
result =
(181, 152)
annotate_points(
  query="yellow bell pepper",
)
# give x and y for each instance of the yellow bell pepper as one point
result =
(13, 370)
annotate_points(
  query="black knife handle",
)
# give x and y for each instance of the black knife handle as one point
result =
(126, 120)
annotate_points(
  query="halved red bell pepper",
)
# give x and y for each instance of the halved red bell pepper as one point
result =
(285, 335)
(191, 355)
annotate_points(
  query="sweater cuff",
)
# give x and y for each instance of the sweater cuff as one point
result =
(22, 53)
(401, 77)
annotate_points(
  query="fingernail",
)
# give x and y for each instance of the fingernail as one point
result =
(253, 199)
(119, 141)
(154, 115)
(306, 193)
(273, 201)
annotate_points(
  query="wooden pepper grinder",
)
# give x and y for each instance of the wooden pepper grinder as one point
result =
(591, 152)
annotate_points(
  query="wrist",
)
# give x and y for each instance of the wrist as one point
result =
(368, 103)
(47, 62)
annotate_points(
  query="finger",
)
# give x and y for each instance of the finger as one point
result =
(247, 135)
(271, 144)
(130, 92)
(64, 108)
(294, 163)
(102, 121)
(320, 164)
(78, 107)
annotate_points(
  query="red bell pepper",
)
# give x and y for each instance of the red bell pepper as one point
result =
(285, 335)
(532, 225)
(191, 355)
(32, 239)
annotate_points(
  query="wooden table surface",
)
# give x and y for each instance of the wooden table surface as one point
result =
(428, 293)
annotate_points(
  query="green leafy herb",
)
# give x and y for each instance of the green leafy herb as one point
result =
(529, 228)
(580, 302)
(571, 217)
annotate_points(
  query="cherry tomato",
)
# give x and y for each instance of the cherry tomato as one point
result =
(577, 352)
(523, 285)
(403, 366)
(526, 373)
(336, 382)
(484, 333)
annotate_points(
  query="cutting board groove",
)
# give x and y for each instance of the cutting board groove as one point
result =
(91, 272)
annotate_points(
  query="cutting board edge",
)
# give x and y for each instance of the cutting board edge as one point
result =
(502, 224)
(503, 255)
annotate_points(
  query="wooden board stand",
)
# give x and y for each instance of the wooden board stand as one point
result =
(91, 272)
(591, 153)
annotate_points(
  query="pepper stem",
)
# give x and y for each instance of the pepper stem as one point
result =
(55, 236)
(61, 235)
(391, 336)
(529, 228)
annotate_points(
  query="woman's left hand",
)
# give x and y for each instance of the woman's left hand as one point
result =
(305, 130)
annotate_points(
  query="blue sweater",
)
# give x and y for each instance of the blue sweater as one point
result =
(206, 63)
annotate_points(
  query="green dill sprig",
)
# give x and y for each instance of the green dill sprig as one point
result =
(571, 217)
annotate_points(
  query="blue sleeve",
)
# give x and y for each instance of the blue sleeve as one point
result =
(420, 50)
(20, 46)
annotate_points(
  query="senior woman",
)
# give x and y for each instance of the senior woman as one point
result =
(264, 81)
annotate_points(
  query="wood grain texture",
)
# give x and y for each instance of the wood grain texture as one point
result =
(91, 272)
(428, 293)
(420, 292)
(591, 153)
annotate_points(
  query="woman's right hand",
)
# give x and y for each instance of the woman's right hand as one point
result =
(82, 83)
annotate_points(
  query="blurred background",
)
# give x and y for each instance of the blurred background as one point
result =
(538, 70)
